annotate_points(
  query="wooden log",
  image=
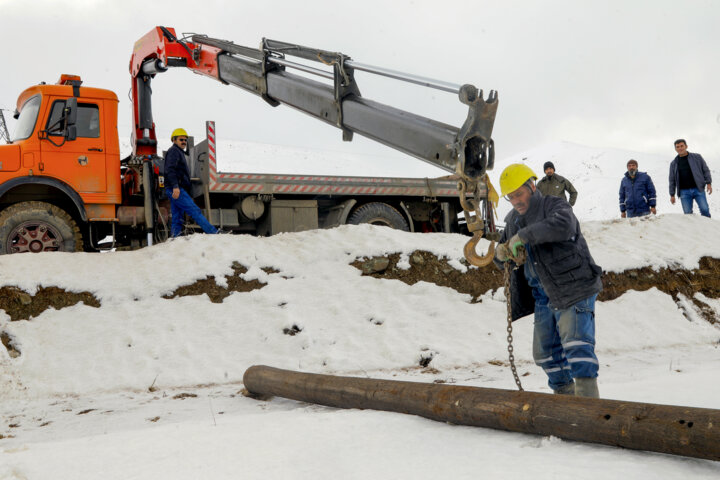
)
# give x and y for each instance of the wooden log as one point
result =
(687, 431)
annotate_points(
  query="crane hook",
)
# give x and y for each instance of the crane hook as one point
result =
(471, 255)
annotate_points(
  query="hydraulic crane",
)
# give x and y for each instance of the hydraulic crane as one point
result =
(467, 151)
(63, 185)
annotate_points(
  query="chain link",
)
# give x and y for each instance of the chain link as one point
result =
(511, 356)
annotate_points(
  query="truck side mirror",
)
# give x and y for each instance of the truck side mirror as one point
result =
(70, 113)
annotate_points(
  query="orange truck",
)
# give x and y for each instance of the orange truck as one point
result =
(65, 187)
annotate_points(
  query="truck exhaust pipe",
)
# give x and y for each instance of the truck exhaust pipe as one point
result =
(677, 430)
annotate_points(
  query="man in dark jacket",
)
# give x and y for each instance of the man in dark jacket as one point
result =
(637, 192)
(177, 186)
(558, 281)
(554, 185)
(689, 174)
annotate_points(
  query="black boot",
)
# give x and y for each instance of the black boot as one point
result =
(586, 387)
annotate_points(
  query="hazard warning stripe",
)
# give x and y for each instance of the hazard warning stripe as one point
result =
(325, 189)
(212, 154)
(334, 180)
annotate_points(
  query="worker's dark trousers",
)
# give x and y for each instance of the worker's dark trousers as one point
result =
(635, 213)
(182, 205)
(564, 341)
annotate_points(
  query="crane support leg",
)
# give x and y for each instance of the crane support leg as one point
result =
(686, 431)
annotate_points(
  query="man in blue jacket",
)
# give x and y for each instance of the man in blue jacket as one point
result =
(177, 186)
(689, 175)
(637, 192)
(556, 278)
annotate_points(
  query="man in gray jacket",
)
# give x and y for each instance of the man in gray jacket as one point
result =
(554, 185)
(556, 278)
(689, 175)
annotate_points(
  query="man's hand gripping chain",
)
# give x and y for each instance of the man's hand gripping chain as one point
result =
(513, 249)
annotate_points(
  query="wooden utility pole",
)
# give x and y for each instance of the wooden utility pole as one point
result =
(691, 432)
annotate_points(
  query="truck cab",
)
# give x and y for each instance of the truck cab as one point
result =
(65, 152)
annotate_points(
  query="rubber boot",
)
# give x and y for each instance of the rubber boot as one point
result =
(567, 389)
(586, 387)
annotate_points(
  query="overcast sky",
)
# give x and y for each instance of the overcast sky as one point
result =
(634, 75)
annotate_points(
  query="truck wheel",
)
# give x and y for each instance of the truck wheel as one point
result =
(38, 227)
(377, 213)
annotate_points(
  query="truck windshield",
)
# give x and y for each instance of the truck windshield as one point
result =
(26, 120)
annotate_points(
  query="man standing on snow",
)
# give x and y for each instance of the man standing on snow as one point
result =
(637, 192)
(177, 186)
(555, 185)
(689, 174)
(556, 278)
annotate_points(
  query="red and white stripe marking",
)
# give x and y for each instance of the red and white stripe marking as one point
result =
(270, 187)
(212, 153)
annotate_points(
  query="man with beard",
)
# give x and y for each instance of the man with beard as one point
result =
(556, 278)
(637, 192)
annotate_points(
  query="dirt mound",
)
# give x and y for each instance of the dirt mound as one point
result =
(425, 266)
(217, 293)
(20, 305)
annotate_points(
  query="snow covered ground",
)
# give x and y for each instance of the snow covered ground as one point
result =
(77, 402)
(147, 387)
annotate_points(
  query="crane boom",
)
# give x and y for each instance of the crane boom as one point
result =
(467, 150)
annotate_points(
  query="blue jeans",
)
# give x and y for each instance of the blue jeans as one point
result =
(687, 195)
(182, 205)
(564, 341)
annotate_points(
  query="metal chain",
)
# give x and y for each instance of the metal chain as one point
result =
(508, 298)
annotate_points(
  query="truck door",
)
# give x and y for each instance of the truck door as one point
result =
(80, 162)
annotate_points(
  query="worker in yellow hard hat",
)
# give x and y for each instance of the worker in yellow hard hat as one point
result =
(178, 187)
(555, 278)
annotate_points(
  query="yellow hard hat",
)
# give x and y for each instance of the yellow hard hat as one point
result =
(178, 132)
(514, 176)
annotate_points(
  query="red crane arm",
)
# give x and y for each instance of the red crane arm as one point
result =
(152, 54)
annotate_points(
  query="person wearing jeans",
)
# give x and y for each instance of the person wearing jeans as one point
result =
(689, 177)
(177, 185)
(554, 276)
(688, 195)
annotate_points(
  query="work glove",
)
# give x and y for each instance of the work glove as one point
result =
(513, 249)
(515, 244)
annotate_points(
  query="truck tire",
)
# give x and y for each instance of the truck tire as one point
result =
(38, 227)
(377, 213)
